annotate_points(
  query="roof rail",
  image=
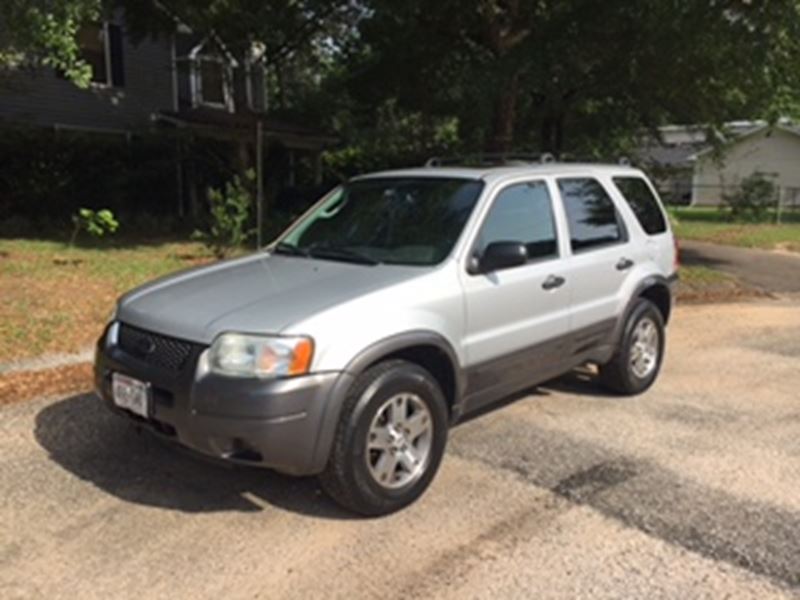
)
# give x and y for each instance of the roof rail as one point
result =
(490, 159)
(514, 159)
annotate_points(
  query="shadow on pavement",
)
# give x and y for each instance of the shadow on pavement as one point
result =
(692, 257)
(580, 382)
(85, 438)
(641, 494)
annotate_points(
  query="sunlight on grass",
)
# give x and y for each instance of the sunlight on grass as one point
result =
(697, 275)
(709, 225)
(56, 298)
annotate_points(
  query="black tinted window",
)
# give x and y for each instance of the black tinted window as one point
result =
(521, 213)
(591, 214)
(643, 203)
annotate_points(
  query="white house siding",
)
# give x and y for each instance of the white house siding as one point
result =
(43, 98)
(775, 153)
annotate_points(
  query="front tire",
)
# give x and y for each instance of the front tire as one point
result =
(389, 441)
(637, 361)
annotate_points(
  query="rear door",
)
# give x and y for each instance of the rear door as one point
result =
(643, 201)
(516, 318)
(602, 257)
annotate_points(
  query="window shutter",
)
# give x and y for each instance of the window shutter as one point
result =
(115, 47)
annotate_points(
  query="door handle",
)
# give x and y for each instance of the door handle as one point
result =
(553, 282)
(624, 264)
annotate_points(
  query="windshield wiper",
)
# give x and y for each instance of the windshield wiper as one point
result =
(338, 253)
(284, 248)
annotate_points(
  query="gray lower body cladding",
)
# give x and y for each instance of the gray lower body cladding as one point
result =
(283, 424)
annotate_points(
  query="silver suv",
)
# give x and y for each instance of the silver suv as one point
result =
(399, 303)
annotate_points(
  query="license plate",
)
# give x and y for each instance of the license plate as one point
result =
(131, 394)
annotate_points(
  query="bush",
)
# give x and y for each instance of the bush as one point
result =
(752, 201)
(95, 223)
(229, 216)
(48, 176)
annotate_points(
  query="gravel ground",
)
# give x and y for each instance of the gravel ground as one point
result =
(689, 491)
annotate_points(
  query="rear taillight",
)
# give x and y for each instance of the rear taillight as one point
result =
(677, 263)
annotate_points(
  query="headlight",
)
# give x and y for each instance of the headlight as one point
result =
(241, 355)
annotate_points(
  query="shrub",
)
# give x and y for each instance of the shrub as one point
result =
(229, 210)
(753, 199)
(95, 223)
(56, 173)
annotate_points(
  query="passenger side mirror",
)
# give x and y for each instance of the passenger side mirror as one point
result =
(501, 255)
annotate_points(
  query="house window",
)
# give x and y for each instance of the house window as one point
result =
(92, 41)
(212, 82)
(101, 47)
(212, 79)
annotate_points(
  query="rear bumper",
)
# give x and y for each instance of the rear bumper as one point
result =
(279, 423)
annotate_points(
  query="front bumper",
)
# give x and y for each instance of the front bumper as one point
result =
(276, 423)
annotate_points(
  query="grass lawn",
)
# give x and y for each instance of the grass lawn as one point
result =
(56, 298)
(696, 276)
(709, 225)
(703, 284)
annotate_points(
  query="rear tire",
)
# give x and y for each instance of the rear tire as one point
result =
(637, 361)
(390, 439)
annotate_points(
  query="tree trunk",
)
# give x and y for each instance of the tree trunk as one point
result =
(505, 112)
(552, 133)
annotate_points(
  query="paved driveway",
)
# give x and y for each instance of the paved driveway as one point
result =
(769, 271)
(690, 491)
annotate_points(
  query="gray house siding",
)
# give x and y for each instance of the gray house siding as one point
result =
(43, 98)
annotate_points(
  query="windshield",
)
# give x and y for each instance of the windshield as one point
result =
(408, 221)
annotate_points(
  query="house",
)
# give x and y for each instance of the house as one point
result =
(772, 151)
(183, 85)
(690, 170)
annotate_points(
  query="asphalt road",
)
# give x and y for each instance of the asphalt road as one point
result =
(689, 491)
(768, 271)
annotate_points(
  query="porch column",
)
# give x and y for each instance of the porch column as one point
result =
(318, 168)
(292, 170)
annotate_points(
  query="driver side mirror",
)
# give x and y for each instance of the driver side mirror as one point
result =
(500, 255)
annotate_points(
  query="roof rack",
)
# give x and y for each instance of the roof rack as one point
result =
(512, 159)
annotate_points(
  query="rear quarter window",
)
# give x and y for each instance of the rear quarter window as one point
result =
(643, 203)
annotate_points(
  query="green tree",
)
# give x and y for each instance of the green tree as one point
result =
(36, 33)
(556, 75)
(43, 32)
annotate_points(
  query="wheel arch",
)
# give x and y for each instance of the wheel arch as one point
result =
(659, 293)
(428, 349)
(655, 288)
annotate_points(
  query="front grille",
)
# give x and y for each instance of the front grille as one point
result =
(158, 350)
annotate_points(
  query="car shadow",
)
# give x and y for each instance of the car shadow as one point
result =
(85, 438)
(579, 382)
(692, 257)
(81, 435)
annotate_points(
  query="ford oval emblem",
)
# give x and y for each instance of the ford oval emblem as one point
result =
(145, 346)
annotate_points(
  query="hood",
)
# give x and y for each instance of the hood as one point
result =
(261, 293)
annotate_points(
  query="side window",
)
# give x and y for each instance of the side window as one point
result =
(591, 214)
(522, 213)
(643, 203)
